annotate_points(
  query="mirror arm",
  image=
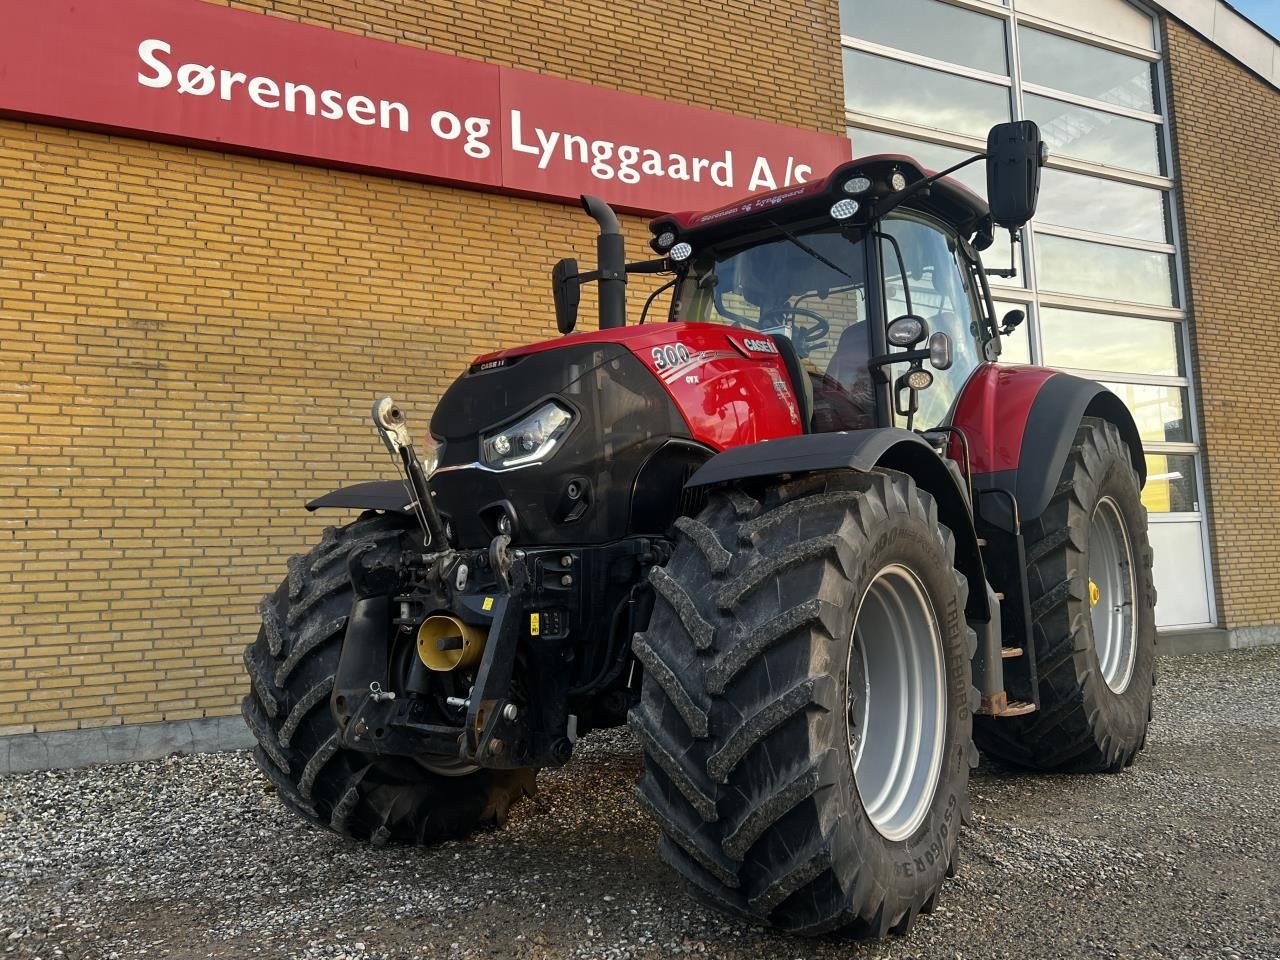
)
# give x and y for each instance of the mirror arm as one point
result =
(644, 266)
(877, 364)
(1015, 238)
(661, 265)
(893, 200)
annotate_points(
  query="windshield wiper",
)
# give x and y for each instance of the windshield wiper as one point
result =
(809, 250)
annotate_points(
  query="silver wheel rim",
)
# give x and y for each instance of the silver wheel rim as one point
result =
(1111, 591)
(896, 700)
(447, 766)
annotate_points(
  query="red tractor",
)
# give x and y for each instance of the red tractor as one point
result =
(806, 536)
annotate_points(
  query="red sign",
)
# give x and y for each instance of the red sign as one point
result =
(194, 72)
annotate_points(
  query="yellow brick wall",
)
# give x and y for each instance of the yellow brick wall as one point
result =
(1226, 132)
(190, 341)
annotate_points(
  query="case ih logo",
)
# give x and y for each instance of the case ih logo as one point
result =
(199, 73)
(756, 345)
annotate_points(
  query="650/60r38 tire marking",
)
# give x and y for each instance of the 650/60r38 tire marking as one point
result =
(762, 813)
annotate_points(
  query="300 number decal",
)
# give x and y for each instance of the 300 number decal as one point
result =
(671, 355)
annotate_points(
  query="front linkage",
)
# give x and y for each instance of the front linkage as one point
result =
(465, 656)
(391, 599)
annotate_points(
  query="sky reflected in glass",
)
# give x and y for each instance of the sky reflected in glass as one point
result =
(928, 98)
(1102, 206)
(1095, 135)
(1104, 271)
(1085, 70)
(1099, 341)
(929, 28)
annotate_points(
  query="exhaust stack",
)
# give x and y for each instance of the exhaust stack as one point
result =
(611, 262)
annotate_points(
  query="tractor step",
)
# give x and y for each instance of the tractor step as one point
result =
(1010, 653)
(999, 705)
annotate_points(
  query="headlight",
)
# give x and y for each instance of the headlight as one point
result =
(530, 440)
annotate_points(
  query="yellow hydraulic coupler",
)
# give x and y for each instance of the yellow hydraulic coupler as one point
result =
(446, 643)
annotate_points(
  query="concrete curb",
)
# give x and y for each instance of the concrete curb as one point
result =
(149, 741)
(139, 741)
(1182, 643)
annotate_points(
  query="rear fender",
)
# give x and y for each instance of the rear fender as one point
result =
(1020, 424)
(864, 450)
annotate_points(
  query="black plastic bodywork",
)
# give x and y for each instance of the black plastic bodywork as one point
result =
(864, 450)
(387, 495)
(624, 427)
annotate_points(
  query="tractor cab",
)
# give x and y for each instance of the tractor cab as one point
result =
(806, 283)
(796, 263)
(869, 281)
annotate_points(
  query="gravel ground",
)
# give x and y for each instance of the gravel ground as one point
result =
(194, 857)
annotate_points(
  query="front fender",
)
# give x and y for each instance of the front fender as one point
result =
(387, 495)
(864, 450)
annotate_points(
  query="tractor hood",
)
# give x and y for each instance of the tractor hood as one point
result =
(625, 453)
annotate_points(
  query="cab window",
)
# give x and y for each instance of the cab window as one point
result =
(813, 292)
(925, 273)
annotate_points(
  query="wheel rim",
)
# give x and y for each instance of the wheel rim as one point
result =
(896, 702)
(447, 766)
(1111, 591)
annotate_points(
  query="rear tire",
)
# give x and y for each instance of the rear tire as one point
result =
(1093, 618)
(291, 666)
(758, 692)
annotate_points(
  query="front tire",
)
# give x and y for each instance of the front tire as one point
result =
(1093, 610)
(291, 667)
(765, 712)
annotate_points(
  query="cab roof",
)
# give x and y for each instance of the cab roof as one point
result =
(946, 199)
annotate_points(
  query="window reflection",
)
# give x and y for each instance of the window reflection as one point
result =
(1171, 484)
(1086, 70)
(1095, 135)
(930, 28)
(1160, 412)
(1102, 206)
(1098, 341)
(924, 275)
(1106, 18)
(930, 98)
(1104, 271)
(1016, 347)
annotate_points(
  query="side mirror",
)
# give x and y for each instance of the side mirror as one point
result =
(1015, 154)
(1011, 321)
(567, 294)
